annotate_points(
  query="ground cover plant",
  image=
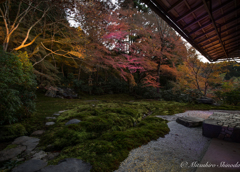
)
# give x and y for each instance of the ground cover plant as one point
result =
(106, 133)
(111, 126)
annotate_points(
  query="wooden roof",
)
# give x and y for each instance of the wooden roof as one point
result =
(211, 26)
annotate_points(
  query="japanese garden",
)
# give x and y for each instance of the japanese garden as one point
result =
(105, 86)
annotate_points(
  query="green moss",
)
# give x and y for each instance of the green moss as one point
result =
(106, 133)
(8, 132)
(107, 151)
(11, 146)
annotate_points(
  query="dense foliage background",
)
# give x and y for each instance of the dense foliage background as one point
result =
(17, 86)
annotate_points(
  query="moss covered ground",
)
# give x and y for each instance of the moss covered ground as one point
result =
(111, 126)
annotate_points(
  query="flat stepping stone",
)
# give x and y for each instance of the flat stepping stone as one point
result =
(62, 111)
(168, 117)
(189, 121)
(68, 165)
(49, 123)
(50, 117)
(8, 154)
(73, 121)
(195, 113)
(57, 114)
(23, 143)
(38, 132)
(39, 155)
(30, 166)
(50, 156)
(223, 126)
(29, 142)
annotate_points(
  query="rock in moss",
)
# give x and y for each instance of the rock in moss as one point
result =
(73, 121)
(12, 131)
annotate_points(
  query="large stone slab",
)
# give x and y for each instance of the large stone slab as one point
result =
(20, 140)
(8, 154)
(224, 126)
(189, 121)
(68, 165)
(29, 142)
(30, 166)
(73, 121)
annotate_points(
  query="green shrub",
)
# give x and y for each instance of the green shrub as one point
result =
(17, 86)
(230, 97)
(188, 96)
(12, 131)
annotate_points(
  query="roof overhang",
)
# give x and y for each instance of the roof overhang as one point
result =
(210, 26)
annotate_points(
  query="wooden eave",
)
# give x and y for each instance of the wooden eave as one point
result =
(210, 26)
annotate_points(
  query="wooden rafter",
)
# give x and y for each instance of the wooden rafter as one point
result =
(225, 24)
(228, 39)
(211, 26)
(204, 16)
(208, 8)
(226, 30)
(218, 18)
(175, 5)
(232, 38)
(188, 13)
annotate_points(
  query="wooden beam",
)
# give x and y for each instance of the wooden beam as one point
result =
(188, 13)
(215, 49)
(216, 52)
(233, 20)
(154, 5)
(234, 37)
(215, 10)
(226, 30)
(175, 5)
(214, 24)
(231, 53)
(220, 17)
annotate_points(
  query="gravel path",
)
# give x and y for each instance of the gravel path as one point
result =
(181, 145)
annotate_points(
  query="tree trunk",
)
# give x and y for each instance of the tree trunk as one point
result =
(97, 77)
(205, 89)
(62, 70)
(79, 73)
(158, 75)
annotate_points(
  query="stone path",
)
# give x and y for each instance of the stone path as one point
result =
(182, 144)
(181, 147)
(25, 148)
(19, 145)
(67, 165)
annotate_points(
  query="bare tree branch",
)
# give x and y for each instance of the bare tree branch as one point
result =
(42, 59)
